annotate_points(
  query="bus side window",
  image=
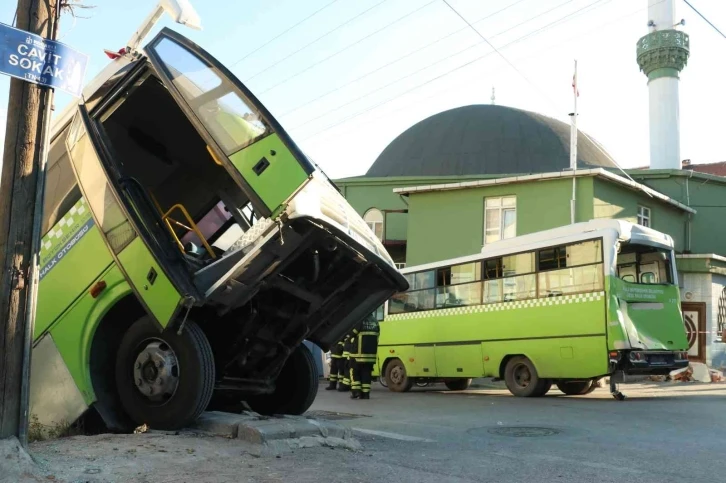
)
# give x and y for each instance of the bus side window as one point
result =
(628, 278)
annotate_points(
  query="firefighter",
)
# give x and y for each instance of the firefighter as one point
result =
(336, 360)
(344, 382)
(363, 357)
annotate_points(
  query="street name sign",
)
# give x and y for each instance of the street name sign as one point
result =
(41, 61)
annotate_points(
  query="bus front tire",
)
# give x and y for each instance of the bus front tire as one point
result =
(295, 388)
(458, 384)
(522, 380)
(576, 388)
(396, 378)
(164, 379)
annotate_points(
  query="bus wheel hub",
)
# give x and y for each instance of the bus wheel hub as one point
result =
(522, 375)
(156, 371)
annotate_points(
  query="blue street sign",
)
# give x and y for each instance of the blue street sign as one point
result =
(41, 61)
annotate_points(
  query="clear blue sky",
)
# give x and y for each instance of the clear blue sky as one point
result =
(345, 95)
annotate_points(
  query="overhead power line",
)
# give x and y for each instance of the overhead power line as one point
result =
(451, 71)
(704, 18)
(514, 67)
(418, 102)
(282, 33)
(424, 47)
(287, 79)
(353, 19)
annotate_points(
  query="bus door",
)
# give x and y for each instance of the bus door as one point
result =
(241, 135)
(145, 275)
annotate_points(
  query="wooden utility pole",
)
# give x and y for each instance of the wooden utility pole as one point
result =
(21, 203)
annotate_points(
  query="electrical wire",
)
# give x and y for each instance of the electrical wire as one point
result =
(427, 66)
(346, 119)
(704, 18)
(353, 19)
(282, 33)
(536, 88)
(367, 74)
(287, 79)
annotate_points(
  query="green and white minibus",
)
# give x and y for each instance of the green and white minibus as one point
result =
(189, 248)
(564, 306)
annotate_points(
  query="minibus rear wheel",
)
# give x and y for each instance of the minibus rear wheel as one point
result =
(522, 379)
(164, 379)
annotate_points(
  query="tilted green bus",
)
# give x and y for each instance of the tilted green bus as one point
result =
(564, 306)
(188, 249)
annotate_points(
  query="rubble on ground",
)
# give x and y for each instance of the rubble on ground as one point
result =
(695, 372)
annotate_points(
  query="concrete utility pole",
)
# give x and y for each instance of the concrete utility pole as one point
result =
(661, 55)
(21, 204)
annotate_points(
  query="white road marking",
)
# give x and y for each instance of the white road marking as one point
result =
(386, 434)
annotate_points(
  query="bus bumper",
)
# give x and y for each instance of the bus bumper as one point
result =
(652, 363)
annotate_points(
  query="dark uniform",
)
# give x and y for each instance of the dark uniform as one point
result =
(344, 373)
(336, 360)
(363, 357)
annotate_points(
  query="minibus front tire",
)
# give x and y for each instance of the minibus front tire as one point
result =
(164, 379)
(295, 388)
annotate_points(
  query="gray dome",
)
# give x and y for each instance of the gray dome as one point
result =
(483, 140)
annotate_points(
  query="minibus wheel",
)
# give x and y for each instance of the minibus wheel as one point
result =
(396, 378)
(458, 384)
(576, 388)
(521, 378)
(164, 379)
(295, 387)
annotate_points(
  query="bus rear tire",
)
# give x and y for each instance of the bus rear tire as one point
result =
(576, 388)
(295, 389)
(458, 384)
(164, 379)
(396, 378)
(545, 388)
(521, 378)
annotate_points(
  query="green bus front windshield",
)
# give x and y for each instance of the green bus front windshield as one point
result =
(644, 264)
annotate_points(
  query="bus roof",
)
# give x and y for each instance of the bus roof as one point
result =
(624, 231)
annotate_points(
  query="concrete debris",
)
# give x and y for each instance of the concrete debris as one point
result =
(282, 431)
(700, 372)
(684, 375)
(696, 372)
(16, 466)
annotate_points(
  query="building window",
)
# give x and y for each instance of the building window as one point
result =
(400, 266)
(374, 220)
(500, 218)
(643, 216)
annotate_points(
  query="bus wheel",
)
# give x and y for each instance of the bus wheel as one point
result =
(458, 384)
(295, 387)
(396, 378)
(521, 378)
(545, 388)
(164, 379)
(576, 388)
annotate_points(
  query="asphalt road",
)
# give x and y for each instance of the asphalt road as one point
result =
(663, 432)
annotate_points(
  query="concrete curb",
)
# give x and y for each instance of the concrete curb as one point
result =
(280, 432)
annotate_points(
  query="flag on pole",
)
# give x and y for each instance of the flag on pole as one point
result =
(574, 84)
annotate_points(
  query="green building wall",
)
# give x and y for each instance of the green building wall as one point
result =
(704, 193)
(614, 201)
(449, 224)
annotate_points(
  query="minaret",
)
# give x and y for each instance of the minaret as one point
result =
(661, 55)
